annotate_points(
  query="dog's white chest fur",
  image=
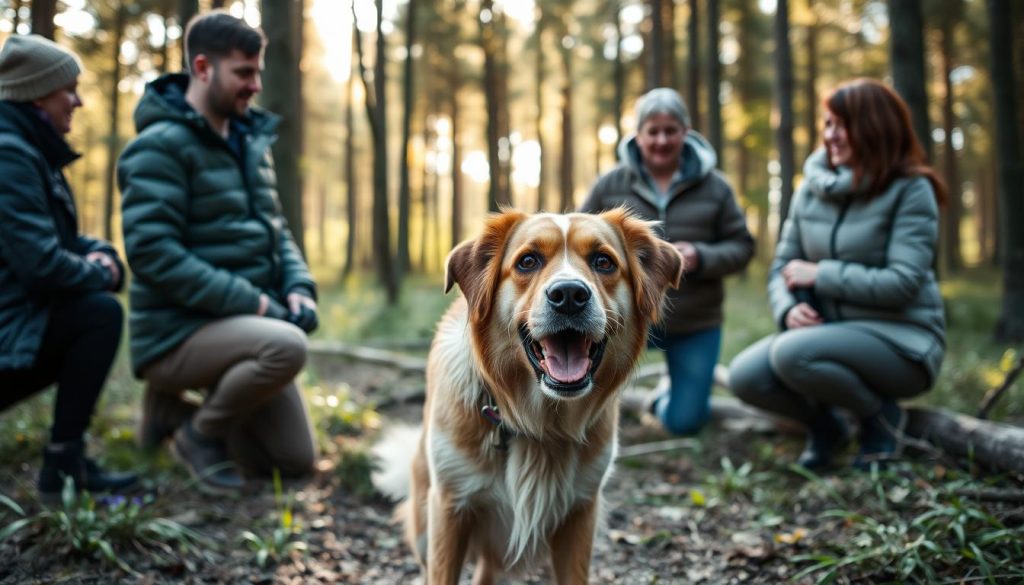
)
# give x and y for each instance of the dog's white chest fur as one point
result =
(521, 505)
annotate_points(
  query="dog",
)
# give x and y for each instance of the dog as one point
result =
(523, 377)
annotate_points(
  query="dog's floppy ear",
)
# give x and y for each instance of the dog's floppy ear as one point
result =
(654, 264)
(475, 265)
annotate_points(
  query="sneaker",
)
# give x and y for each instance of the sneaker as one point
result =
(827, 436)
(207, 460)
(63, 460)
(880, 436)
(162, 414)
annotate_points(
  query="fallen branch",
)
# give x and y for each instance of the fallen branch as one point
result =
(995, 445)
(993, 395)
(405, 363)
(657, 447)
(993, 495)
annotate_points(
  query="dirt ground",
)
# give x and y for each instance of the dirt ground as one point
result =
(659, 528)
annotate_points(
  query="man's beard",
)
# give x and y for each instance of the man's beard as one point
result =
(224, 103)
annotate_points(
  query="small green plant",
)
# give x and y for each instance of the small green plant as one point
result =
(282, 540)
(355, 469)
(735, 480)
(103, 527)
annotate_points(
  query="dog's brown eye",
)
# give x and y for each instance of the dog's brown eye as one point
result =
(603, 263)
(528, 263)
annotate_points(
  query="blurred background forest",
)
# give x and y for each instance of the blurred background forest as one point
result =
(406, 121)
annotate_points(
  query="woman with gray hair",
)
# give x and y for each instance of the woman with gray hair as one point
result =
(666, 172)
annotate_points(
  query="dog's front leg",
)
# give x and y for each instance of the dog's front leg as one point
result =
(571, 545)
(449, 530)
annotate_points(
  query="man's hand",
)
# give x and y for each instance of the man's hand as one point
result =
(800, 274)
(802, 315)
(302, 312)
(271, 309)
(104, 260)
(690, 256)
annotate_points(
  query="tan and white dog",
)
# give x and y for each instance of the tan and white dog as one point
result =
(523, 379)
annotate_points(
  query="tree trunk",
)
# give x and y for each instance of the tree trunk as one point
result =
(693, 64)
(351, 184)
(163, 51)
(907, 60)
(43, 12)
(113, 138)
(409, 105)
(810, 91)
(784, 105)
(954, 211)
(655, 46)
(16, 19)
(1010, 326)
(994, 445)
(567, 183)
(455, 82)
(282, 94)
(618, 78)
(491, 95)
(714, 83)
(539, 100)
(186, 10)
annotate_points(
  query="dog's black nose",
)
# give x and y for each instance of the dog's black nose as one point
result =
(568, 297)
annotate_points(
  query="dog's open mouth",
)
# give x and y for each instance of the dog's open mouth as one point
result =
(564, 361)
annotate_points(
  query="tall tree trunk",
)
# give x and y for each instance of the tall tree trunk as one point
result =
(166, 9)
(16, 20)
(655, 46)
(567, 184)
(409, 105)
(668, 27)
(282, 93)
(1010, 326)
(429, 142)
(810, 91)
(43, 12)
(693, 64)
(618, 77)
(323, 209)
(784, 106)
(376, 114)
(505, 146)
(539, 100)
(215, 4)
(489, 43)
(113, 139)
(455, 82)
(907, 59)
(954, 211)
(714, 83)
(351, 184)
(186, 10)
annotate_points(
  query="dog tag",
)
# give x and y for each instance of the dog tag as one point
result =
(491, 414)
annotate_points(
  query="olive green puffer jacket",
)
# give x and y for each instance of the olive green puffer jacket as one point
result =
(203, 229)
(874, 257)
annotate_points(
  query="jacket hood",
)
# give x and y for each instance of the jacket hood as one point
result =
(164, 100)
(697, 160)
(829, 182)
(25, 121)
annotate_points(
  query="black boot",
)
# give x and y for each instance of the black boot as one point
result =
(880, 436)
(207, 460)
(61, 460)
(827, 435)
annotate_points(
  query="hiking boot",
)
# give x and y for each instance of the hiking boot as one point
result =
(880, 436)
(827, 436)
(206, 459)
(63, 460)
(162, 414)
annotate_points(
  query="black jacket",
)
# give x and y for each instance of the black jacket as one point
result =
(42, 255)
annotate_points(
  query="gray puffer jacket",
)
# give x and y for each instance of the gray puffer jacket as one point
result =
(699, 207)
(874, 258)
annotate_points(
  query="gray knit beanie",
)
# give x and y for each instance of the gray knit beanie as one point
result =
(32, 66)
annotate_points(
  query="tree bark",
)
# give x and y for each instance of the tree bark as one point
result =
(113, 138)
(351, 184)
(1010, 326)
(186, 10)
(995, 445)
(907, 59)
(714, 83)
(489, 42)
(282, 94)
(539, 100)
(409, 105)
(693, 64)
(784, 106)
(954, 210)
(618, 77)
(655, 46)
(567, 182)
(42, 14)
(455, 82)
(810, 89)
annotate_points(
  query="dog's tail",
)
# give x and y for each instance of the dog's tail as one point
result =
(393, 454)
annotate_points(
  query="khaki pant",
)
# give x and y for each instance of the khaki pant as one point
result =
(246, 367)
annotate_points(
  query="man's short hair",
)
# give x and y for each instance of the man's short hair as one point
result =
(217, 33)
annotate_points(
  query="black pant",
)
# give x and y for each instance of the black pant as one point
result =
(78, 348)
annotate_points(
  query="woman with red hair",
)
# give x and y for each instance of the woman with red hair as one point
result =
(851, 286)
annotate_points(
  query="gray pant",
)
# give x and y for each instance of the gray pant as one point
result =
(795, 372)
(247, 366)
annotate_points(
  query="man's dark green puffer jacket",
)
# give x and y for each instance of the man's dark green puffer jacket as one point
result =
(203, 229)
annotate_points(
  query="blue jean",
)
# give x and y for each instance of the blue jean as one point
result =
(691, 359)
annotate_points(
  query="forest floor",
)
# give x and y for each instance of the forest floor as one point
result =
(724, 508)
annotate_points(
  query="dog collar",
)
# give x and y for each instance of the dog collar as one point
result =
(500, 434)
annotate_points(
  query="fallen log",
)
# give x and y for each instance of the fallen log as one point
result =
(994, 445)
(405, 363)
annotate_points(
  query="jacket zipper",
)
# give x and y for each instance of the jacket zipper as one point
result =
(833, 252)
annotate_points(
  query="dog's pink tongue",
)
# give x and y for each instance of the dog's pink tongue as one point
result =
(566, 359)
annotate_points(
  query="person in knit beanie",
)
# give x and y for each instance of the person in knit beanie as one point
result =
(59, 322)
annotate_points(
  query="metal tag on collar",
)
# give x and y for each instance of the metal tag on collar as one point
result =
(491, 414)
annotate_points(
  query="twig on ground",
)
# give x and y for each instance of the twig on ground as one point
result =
(993, 395)
(657, 447)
